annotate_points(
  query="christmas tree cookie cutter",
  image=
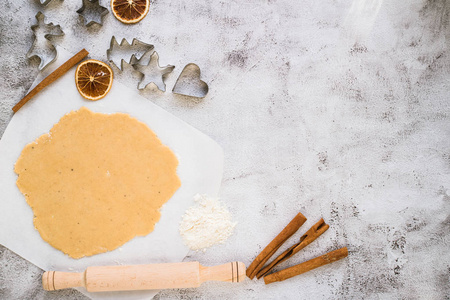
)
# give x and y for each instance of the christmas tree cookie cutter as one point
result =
(133, 51)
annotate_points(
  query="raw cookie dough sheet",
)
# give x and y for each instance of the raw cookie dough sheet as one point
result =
(200, 171)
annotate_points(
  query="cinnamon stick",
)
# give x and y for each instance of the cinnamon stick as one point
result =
(52, 77)
(307, 266)
(273, 246)
(313, 233)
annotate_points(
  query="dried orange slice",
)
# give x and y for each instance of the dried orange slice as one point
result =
(93, 79)
(130, 11)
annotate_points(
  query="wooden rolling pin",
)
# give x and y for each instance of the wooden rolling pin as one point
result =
(143, 277)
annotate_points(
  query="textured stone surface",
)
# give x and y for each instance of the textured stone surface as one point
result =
(338, 109)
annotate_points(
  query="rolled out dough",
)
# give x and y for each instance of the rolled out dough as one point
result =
(96, 181)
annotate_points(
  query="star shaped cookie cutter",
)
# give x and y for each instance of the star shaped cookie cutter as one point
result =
(92, 12)
(152, 72)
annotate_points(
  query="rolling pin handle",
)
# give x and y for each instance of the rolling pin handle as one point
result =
(230, 272)
(52, 280)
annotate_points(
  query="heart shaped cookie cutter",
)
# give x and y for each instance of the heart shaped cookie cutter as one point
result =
(189, 82)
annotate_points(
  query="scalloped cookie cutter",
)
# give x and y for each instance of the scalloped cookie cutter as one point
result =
(92, 12)
(189, 82)
(42, 47)
(136, 49)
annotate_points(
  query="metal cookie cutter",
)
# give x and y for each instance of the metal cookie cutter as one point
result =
(42, 47)
(152, 72)
(117, 52)
(45, 2)
(189, 82)
(92, 12)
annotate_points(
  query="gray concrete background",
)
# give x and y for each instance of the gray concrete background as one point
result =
(337, 109)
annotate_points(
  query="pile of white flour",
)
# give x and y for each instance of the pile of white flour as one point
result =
(205, 224)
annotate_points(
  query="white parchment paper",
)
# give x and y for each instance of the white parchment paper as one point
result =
(200, 170)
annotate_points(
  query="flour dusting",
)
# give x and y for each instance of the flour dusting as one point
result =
(206, 224)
